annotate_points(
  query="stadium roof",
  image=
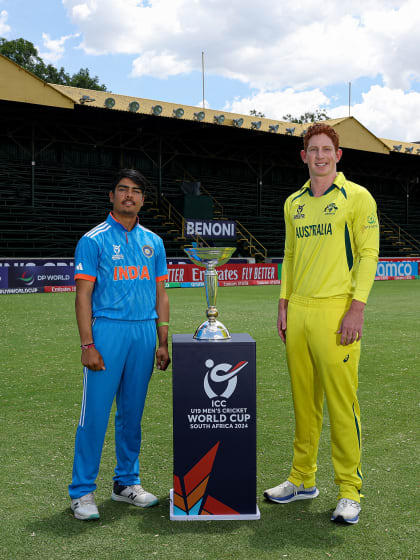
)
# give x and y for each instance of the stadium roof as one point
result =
(17, 84)
(22, 86)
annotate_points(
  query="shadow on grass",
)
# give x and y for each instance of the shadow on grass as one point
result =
(298, 524)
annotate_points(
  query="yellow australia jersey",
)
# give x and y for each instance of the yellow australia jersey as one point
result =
(332, 242)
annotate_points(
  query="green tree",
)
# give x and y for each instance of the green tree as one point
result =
(82, 79)
(20, 51)
(26, 55)
(308, 117)
(51, 74)
(256, 113)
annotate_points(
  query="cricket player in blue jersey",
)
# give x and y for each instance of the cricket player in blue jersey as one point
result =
(121, 303)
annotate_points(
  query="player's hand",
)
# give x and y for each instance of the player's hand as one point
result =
(351, 327)
(162, 357)
(92, 359)
(282, 319)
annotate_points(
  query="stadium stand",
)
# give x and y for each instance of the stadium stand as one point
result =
(58, 155)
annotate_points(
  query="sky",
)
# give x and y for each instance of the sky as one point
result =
(275, 56)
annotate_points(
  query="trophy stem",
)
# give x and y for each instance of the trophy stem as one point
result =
(211, 282)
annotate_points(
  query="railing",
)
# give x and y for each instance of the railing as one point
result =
(256, 248)
(219, 207)
(254, 245)
(402, 234)
(173, 215)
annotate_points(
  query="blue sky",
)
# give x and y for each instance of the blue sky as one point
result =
(275, 56)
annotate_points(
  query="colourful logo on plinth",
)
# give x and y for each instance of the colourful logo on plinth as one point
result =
(190, 490)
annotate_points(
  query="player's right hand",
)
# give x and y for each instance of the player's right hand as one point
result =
(281, 329)
(282, 319)
(92, 359)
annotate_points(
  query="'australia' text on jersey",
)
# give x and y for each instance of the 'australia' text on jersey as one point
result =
(312, 230)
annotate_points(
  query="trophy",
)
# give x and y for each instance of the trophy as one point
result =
(210, 257)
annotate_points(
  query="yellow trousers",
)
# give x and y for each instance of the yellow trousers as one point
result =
(319, 365)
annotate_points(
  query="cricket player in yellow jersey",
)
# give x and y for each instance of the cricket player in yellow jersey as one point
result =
(331, 253)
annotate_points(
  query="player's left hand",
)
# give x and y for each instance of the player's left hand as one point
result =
(162, 357)
(351, 327)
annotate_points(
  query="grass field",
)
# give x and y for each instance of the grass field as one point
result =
(40, 392)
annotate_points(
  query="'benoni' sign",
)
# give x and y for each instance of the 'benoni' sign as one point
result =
(210, 229)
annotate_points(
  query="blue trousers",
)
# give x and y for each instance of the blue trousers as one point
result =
(128, 350)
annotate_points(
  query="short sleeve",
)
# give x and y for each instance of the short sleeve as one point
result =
(86, 259)
(161, 267)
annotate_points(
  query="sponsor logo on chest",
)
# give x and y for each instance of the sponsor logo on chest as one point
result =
(330, 209)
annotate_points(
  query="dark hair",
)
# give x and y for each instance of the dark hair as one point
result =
(321, 128)
(132, 174)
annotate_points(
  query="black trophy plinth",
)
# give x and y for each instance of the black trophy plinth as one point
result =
(214, 410)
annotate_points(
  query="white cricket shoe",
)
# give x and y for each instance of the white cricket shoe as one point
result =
(347, 511)
(85, 507)
(134, 494)
(289, 492)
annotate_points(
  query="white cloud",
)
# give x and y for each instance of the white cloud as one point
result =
(286, 52)
(276, 104)
(298, 44)
(396, 37)
(159, 65)
(55, 47)
(200, 104)
(388, 113)
(81, 12)
(4, 28)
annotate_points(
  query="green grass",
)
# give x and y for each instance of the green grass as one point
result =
(40, 392)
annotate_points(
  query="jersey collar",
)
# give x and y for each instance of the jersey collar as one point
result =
(111, 219)
(338, 184)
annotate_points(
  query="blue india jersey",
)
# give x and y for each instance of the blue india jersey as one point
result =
(125, 266)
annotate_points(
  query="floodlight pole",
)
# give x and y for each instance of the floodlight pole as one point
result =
(349, 97)
(160, 169)
(33, 167)
(202, 72)
(259, 186)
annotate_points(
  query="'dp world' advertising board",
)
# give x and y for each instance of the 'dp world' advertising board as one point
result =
(214, 409)
(33, 279)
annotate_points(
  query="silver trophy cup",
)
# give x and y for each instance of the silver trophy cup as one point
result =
(210, 257)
